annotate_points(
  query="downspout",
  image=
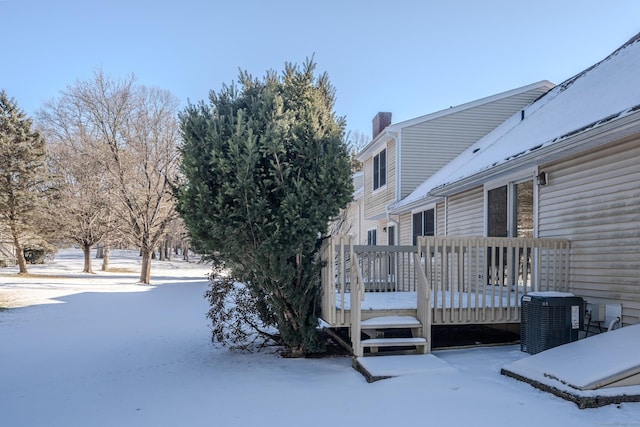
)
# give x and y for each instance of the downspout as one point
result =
(446, 216)
(536, 205)
(396, 224)
(398, 139)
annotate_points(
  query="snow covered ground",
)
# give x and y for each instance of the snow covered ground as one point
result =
(100, 350)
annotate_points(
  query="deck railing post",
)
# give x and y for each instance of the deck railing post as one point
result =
(423, 292)
(356, 298)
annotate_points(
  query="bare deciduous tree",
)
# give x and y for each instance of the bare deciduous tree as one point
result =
(81, 209)
(133, 134)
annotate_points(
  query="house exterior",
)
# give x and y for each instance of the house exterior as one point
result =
(402, 155)
(351, 220)
(7, 251)
(566, 166)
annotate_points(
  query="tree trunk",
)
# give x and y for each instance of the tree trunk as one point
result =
(161, 253)
(185, 252)
(105, 258)
(86, 249)
(145, 271)
(167, 249)
(100, 252)
(22, 263)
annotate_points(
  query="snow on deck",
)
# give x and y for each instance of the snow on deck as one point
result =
(408, 300)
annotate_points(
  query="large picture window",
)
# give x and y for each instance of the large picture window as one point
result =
(424, 224)
(380, 169)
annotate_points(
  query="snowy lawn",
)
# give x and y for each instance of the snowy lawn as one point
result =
(100, 350)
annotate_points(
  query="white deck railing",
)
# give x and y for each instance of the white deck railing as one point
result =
(468, 279)
(356, 297)
(482, 279)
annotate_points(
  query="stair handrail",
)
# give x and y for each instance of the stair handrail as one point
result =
(423, 293)
(355, 304)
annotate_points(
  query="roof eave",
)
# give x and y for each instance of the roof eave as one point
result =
(383, 137)
(594, 137)
(415, 204)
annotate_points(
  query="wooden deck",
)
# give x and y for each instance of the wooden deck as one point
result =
(440, 281)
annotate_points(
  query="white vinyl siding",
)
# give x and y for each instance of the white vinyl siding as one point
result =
(594, 200)
(428, 146)
(466, 213)
(404, 229)
(377, 200)
(440, 220)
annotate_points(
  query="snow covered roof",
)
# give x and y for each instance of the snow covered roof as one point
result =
(601, 94)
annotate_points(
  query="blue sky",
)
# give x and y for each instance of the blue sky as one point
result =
(407, 57)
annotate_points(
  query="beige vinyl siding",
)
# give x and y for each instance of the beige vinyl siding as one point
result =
(466, 213)
(426, 147)
(377, 201)
(594, 200)
(441, 229)
(405, 229)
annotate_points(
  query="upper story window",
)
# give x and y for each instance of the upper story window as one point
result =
(424, 224)
(380, 169)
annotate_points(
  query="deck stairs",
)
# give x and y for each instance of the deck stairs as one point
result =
(398, 333)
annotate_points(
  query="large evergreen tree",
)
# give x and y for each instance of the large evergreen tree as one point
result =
(266, 168)
(22, 174)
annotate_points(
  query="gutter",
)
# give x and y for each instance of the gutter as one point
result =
(427, 199)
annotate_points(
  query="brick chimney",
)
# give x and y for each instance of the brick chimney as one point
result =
(380, 121)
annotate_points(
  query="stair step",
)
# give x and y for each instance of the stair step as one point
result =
(393, 342)
(391, 322)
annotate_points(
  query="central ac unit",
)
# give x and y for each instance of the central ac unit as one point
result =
(549, 319)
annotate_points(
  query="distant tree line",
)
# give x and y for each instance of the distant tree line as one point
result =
(98, 167)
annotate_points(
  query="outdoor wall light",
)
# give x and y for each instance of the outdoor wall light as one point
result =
(543, 179)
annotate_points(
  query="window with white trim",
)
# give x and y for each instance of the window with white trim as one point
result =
(510, 210)
(371, 237)
(380, 169)
(509, 214)
(424, 224)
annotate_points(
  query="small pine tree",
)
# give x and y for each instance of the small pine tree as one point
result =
(22, 174)
(266, 168)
